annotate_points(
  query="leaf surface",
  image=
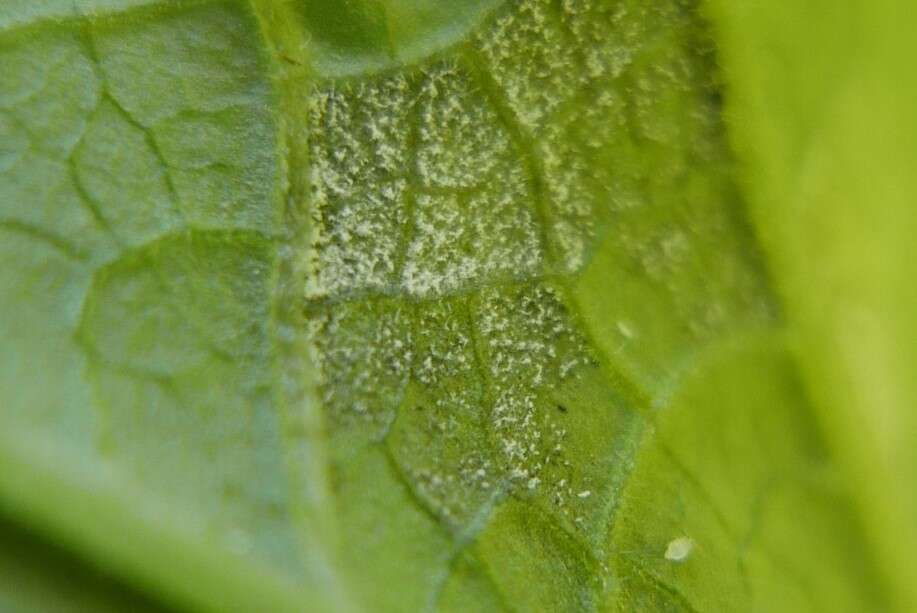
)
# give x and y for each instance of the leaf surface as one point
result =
(403, 306)
(823, 120)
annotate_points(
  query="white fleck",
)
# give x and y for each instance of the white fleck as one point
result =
(585, 494)
(679, 549)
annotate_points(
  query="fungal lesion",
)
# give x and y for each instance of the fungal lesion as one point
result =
(438, 255)
(459, 388)
(476, 168)
(436, 328)
(416, 189)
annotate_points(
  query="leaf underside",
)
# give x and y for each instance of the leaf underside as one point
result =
(462, 318)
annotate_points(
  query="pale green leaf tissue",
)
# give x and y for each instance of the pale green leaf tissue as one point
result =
(416, 305)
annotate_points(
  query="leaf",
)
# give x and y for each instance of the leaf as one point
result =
(402, 306)
(39, 576)
(823, 119)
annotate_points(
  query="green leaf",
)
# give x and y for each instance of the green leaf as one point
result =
(415, 305)
(37, 576)
(823, 117)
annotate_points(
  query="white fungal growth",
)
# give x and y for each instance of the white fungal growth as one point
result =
(538, 81)
(415, 188)
(357, 144)
(679, 549)
(440, 200)
(457, 146)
